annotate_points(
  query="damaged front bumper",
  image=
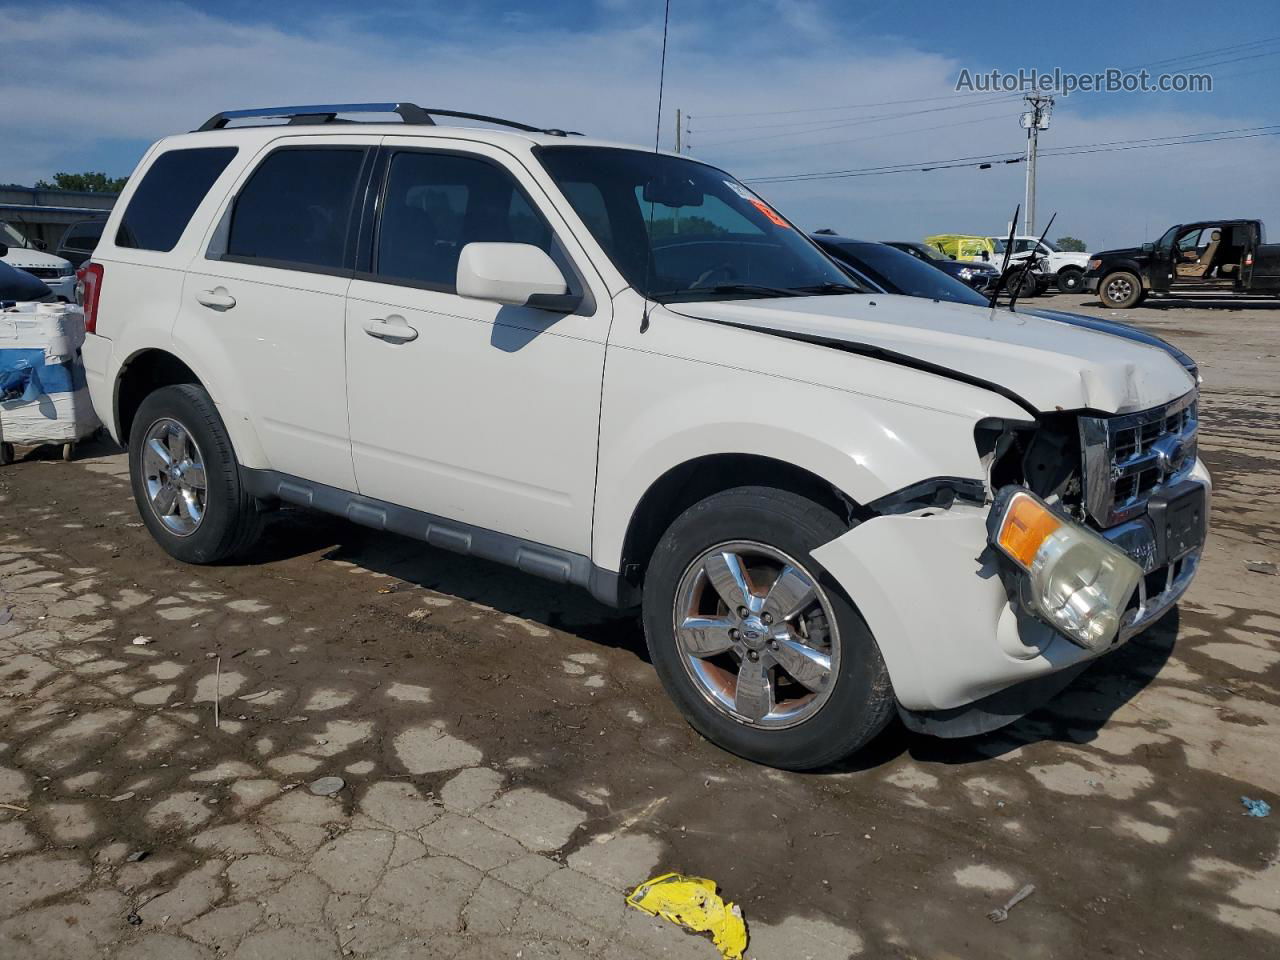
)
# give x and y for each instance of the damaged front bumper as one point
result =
(953, 633)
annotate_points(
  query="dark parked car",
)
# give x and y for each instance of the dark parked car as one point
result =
(980, 276)
(888, 269)
(78, 242)
(17, 284)
(1227, 258)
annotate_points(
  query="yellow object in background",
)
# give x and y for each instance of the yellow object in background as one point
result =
(692, 902)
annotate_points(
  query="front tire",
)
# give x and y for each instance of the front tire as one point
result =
(1070, 281)
(186, 481)
(1028, 286)
(1121, 290)
(755, 642)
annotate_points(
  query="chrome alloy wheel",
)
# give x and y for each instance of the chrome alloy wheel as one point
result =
(1119, 290)
(756, 634)
(173, 472)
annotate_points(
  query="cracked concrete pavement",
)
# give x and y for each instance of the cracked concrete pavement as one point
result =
(512, 767)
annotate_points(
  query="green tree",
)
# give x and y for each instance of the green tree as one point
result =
(1071, 245)
(91, 182)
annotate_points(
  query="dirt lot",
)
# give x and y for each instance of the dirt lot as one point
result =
(511, 765)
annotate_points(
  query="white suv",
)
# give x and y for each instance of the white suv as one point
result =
(54, 272)
(622, 369)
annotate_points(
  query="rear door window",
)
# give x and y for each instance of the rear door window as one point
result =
(171, 189)
(295, 210)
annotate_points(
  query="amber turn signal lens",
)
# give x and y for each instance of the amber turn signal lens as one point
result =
(1027, 524)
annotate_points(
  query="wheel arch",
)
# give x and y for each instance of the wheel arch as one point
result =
(141, 374)
(1124, 266)
(686, 483)
(150, 368)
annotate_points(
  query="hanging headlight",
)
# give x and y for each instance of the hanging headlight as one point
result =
(1079, 583)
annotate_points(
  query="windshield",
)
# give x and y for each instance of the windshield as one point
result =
(1051, 245)
(680, 230)
(1166, 241)
(10, 237)
(899, 272)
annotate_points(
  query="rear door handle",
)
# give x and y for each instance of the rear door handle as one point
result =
(392, 329)
(216, 299)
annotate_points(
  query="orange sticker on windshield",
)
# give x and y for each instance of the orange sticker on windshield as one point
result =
(764, 208)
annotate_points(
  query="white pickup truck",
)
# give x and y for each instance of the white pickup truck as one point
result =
(1063, 269)
(622, 369)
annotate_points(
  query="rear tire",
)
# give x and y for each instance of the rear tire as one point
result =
(1070, 281)
(808, 724)
(1121, 290)
(228, 519)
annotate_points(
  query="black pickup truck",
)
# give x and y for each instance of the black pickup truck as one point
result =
(1225, 258)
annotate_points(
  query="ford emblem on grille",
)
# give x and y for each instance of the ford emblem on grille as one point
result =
(1171, 451)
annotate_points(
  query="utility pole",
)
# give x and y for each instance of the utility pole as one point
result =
(1033, 121)
(678, 150)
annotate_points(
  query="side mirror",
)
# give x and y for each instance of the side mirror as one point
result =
(40, 244)
(986, 256)
(953, 256)
(518, 274)
(1148, 247)
(4, 249)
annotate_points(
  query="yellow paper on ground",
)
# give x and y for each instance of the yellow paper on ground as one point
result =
(692, 902)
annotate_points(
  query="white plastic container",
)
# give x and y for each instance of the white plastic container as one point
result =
(43, 395)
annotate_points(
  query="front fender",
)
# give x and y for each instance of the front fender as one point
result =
(660, 412)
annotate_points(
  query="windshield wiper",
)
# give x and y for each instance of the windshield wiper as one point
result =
(827, 288)
(752, 289)
(758, 290)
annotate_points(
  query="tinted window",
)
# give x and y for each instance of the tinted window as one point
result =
(83, 236)
(168, 195)
(899, 272)
(296, 208)
(436, 203)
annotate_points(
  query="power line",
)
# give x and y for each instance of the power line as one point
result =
(1212, 51)
(846, 106)
(1172, 136)
(1003, 115)
(1208, 136)
(858, 121)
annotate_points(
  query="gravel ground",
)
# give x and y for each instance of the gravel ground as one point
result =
(511, 766)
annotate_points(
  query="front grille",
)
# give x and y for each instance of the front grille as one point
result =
(43, 273)
(1128, 458)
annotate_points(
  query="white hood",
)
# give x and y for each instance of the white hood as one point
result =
(23, 257)
(1050, 364)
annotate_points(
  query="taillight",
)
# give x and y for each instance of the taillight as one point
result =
(1248, 259)
(88, 290)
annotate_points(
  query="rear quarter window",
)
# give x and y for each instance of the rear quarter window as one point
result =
(171, 189)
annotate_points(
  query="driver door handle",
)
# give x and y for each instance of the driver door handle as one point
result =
(392, 329)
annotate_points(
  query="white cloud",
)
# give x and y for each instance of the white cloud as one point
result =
(146, 74)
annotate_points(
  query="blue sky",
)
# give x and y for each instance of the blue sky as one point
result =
(131, 72)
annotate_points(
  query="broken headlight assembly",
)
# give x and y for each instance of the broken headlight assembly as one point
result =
(1071, 578)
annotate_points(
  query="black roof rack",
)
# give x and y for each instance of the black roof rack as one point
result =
(328, 113)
